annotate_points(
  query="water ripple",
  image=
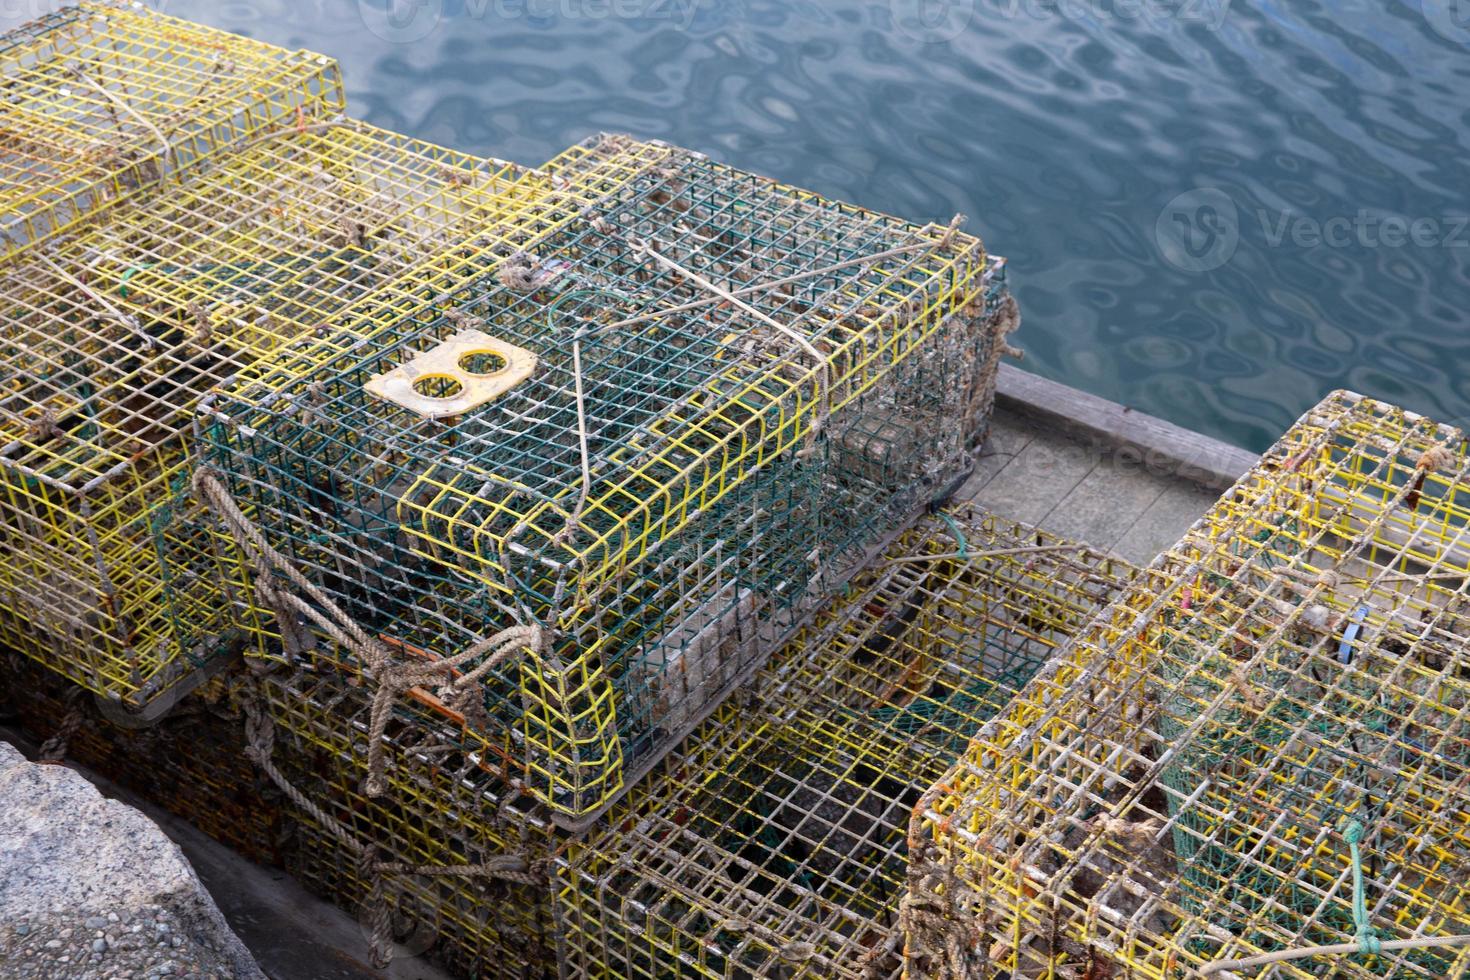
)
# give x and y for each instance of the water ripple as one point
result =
(1061, 128)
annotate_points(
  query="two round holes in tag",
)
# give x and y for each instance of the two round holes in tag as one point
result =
(476, 363)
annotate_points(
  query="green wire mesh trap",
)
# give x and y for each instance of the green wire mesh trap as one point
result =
(736, 392)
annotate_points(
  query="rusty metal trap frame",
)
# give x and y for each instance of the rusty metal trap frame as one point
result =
(192, 763)
(103, 101)
(664, 435)
(1255, 764)
(290, 248)
(774, 843)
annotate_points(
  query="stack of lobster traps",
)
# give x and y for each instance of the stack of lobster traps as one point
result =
(1256, 762)
(771, 841)
(554, 566)
(270, 224)
(541, 561)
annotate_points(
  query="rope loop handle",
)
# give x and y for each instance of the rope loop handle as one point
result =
(392, 679)
(514, 868)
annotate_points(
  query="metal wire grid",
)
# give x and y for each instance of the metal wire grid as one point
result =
(433, 816)
(848, 723)
(305, 239)
(102, 101)
(1281, 706)
(773, 843)
(191, 763)
(407, 521)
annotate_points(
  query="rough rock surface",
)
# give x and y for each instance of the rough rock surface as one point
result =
(91, 888)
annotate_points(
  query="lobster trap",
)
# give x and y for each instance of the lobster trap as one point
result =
(1257, 763)
(303, 242)
(431, 865)
(104, 101)
(192, 763)
(773, 843)
(652, 444)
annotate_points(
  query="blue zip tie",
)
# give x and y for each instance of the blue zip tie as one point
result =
(1350, 635)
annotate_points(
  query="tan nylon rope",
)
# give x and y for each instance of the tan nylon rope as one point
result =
(392, 679)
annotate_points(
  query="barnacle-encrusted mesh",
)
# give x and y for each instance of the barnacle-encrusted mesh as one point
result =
(1279, 707)
(736, 392)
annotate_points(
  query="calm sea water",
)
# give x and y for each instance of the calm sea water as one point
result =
(1215, 210)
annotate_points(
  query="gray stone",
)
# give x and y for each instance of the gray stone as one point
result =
(90, 860)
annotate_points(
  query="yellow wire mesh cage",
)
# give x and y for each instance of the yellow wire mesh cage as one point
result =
(298, 242)
(1257, 763)
(651, 445)
(774, 842)
(778, 825)
(433, 865)
(103, 101)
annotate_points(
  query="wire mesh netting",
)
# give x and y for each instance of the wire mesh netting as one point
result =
(304, 242)
(103, 101)
(433, 820)
(773, 843)
(665, 433)
(1262, 750)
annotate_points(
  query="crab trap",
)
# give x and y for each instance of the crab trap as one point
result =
(595, 488)
(307, 241)
(773, 843)
(105, 101)
(1255, 764)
